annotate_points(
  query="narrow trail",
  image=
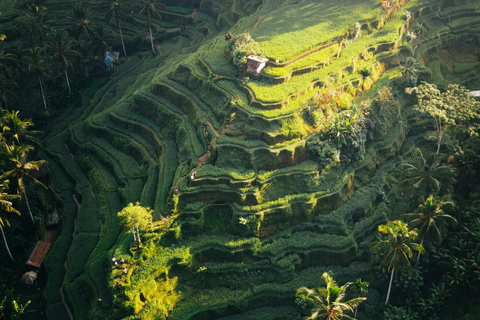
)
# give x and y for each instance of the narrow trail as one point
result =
(70, 315)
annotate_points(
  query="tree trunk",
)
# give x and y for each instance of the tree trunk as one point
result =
(421, 244)
(28, 205)
(134, 236)
(68, 81)
(5, 100)
(440, 133)
(121, 37)
(151, 36)
(6, 244)
(390, 285)
(43, 94)
(439, 142)
(120, 30)
(138, 235)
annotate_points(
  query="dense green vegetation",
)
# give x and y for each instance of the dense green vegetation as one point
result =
(352, 156)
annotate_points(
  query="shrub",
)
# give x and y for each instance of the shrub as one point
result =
(241, 46)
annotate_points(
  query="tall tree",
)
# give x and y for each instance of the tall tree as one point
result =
(6, 207)
(21, 169)
(116, 10)
(396, 249)
(365, 73)
(8, 64)
(38, 65)
(98, 42)
(453, 108)
(328, 301)
(409, 70)
(151, 8)
(16, 130)
(61, 47)
(136, 218)
(81, 21)
(427, 174)
(360, 288)
(34, 21)
(427, 217)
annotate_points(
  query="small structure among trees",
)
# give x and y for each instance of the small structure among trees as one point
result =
(38, 254)
(256, 64)
(245, 53)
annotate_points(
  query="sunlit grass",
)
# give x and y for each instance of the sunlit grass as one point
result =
(296, 28)
(273, 93)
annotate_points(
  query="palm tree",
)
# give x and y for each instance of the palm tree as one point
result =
(80, 18)
(21, 168)
(34, 21)
(409, 70)
(327, 301)
(15, 130)
(360, 288)
(8, 62)
(365, 73)
(426, 174)
(98, 42)
(116, 10)
(151, 9)
(7, 85)
(6, 207)
(396, 250)
(37, 64)
(61, 48)
(426, 216)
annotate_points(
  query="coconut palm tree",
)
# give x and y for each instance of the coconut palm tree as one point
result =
(6, 208)
(20, 170)
(38, 65)
(365, 73)
(151, 9)
(34, 21)
(409, 70)
(328, 301)
(360, 288)
(396, 249)
(426, 174)
(8, 64)
(81, 22)
(98, 42)
(16, 130)
(116, 9)
(61, 48)
(427, 216)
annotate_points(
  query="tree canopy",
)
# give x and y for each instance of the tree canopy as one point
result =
(134, 216)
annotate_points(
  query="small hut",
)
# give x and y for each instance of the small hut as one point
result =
(111, 57)
(256, 64)
(38, 254)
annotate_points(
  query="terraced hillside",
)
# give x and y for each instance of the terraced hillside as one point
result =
(265, 214)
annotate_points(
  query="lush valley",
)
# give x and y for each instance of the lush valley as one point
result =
(297, 169)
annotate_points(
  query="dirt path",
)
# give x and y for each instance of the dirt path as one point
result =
(70, 315)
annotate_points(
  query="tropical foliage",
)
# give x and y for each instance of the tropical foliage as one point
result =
(327, 302)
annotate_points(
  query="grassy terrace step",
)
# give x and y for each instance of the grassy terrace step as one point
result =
(168, 160)
(172, 124)
(197, 110)
(388, 35)
(214, 303)
(128, 142)
(203, 88)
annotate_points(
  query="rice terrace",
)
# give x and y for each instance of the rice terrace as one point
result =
(240, 159)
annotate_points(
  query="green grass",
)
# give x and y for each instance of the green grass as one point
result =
(294, 29)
